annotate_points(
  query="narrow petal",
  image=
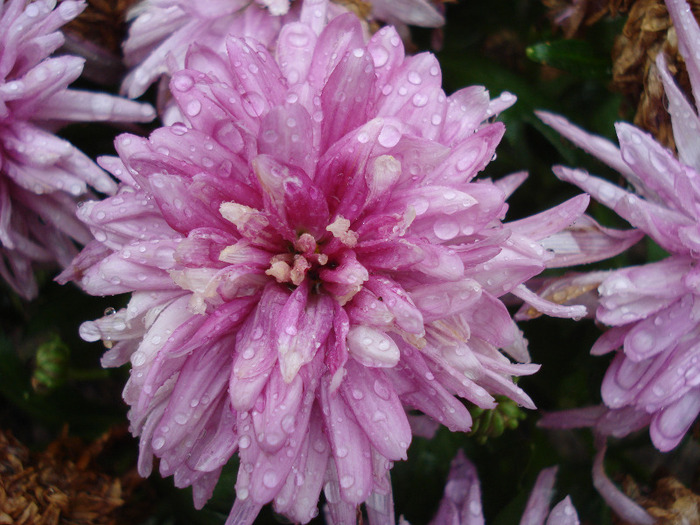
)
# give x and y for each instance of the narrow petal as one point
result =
(623, 506)
(537, 506)
(684, 117)
(599, 147)
(377, 409)
(353, 463)
(563, 513)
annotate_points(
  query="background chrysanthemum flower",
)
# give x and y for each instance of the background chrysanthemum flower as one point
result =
(41, 175)
(461, 503)
(309, 257)
(653, 309)
(161, 31)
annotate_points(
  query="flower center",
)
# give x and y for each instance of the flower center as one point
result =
(329, 263)
(331, 266)
(294, 266)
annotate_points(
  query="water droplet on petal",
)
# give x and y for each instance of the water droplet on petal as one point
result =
(183, 82)
(363, 137)
(380, 56)
(389, 136)
(445, 228)
(347, 481)
(270, 479)
(414, 78)
(194, 107)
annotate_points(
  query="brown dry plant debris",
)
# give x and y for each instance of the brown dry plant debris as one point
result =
(572, 16)
(647, 32)
(670, 503)
(61, 485)
(103, 23)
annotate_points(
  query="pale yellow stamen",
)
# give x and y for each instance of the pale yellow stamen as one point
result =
(340, 228)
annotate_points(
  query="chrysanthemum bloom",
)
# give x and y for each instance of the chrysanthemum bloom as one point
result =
(41, 175)
(162, 30)
(653, 310)
(309, 257)
(461, 503)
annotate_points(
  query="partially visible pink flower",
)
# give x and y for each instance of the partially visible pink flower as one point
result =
(653, 310)
(308, 257)
(461, 504)
(162, 31)
(421, 13)
(42, 175)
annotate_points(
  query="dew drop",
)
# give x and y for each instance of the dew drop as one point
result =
(270, 479)
(138, 358)
(445, 228)
(475, 508)
(414, 78)
(183, 82)
(193, 108)
(381, 389)
(347, 481)
(319, 446)
(380, 56)
(379, 416)
(389, 136)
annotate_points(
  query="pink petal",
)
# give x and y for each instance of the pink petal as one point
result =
(623, 506)
(352, 462)
(377, 409)
(683, 117)
(670, 425)
(563, 513)
(353, 76)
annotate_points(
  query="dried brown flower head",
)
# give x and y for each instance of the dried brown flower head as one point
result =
(572, 16)
(647, 32)
(62, 484)
(670, 503)
(103, 23)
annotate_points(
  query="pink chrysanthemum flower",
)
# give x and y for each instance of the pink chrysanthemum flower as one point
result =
(161, 31)
(461, 503)
(41, 174)
(309, 257)
(653, 310)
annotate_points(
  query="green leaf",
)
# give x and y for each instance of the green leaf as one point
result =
(573, 56)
